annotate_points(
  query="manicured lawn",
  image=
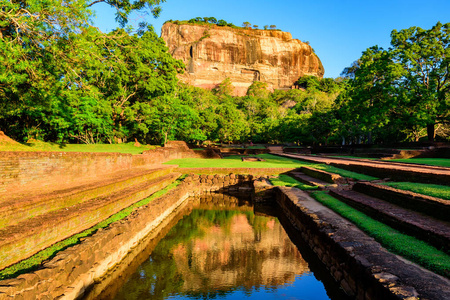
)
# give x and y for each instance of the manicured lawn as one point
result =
(272, 161)
(434, 190)
(43, 146)
(440, 162)
(36, 260)
(413, 249)
(343, 173)
(285, 180)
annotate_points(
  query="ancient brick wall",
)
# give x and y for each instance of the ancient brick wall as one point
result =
(19, 169)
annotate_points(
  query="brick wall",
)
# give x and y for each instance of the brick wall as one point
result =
(28, 169)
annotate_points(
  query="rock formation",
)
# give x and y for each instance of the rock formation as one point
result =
(212, 53)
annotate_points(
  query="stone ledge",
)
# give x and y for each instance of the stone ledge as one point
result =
(436, 207)
(363, 268)
(74, 270)
(323, 175)
(31, 236)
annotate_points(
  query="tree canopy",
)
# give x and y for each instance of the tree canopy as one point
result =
(63, 80)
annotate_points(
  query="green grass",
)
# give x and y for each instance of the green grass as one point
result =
(235, 161)
(343, 173)
(272, 161)
(413, 249)
(52, 147)
(434, 190)
(440, 162)
(285, 180)
(35, 261)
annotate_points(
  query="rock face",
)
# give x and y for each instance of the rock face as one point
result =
(212, 53)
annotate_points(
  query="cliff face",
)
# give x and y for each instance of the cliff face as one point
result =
(212, 53)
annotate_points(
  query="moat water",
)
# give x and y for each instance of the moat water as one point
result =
(218, 252)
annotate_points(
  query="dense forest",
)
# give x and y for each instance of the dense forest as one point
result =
(62, 80)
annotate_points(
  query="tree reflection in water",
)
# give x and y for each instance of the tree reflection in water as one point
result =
(224, 254)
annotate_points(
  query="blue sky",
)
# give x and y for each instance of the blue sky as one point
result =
(338, 30)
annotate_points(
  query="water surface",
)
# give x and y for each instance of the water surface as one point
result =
(224, 254)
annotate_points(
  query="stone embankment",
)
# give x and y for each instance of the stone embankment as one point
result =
(357, 262)
(384, 169)
(76, 269)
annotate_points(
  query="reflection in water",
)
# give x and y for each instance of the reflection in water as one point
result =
(224, 254)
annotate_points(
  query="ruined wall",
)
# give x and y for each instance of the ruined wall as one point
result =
(44, 169)
(212, 53)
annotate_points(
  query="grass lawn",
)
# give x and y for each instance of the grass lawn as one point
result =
(272, 161)
(440, 162)
(413, 249)
(285, 180)
(434, 190)
(343, 173)
(35, 261)
(235, 161)
(53, 147)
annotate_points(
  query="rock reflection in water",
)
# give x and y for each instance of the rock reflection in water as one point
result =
(221, 253)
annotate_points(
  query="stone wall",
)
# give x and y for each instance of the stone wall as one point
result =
(75, 269)
(396, 174)
(438, 208)
(363, 269)
(70, 273)
(19, 169)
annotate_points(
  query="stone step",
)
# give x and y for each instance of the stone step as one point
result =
(433, 231)
(302, 177)
(324, 175)
(432, 206)
(35, 234)
(19, 207)
(360, 265)
(384, 169)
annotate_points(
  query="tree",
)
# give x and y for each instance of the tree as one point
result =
(62, 79)
(425, 58)
(225, 88)
(258, 90)
(273, 26)
(255, 26)
(246, 25)
(222, 23)
(308, 82)
(266, 27)
(125, 7)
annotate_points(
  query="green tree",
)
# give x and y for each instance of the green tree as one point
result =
(259, 90)
(247, 25)
(425, 57)
(273, 26)
(222, 23)
(125, 7)
(225, 88)
(266, 27)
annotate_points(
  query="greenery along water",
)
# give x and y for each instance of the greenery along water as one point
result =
(223, 254)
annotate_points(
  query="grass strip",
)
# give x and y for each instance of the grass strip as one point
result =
(434, 190)
(34, 262)
(286, 180)
(235, 161)
(36, 145)
(343, 173)
(440, 162)
(271, 161)
(413, 249)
